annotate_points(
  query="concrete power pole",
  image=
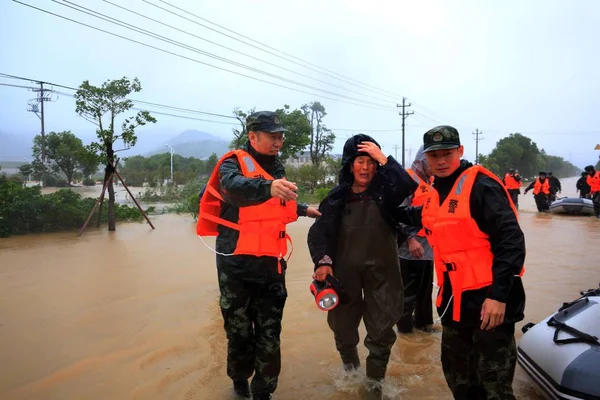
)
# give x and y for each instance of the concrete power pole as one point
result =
(396, 147)
(43, 95)
(404, 114)
(477, 139)
(410, 157)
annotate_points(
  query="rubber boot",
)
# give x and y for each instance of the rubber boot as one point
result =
(374, 389)
(261, 396)
(350, 359)
(241, 388)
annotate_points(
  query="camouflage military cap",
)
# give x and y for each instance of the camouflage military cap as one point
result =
(264, 121)
(441, 137)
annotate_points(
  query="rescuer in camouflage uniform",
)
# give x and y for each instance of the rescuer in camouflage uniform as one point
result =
(253, 292)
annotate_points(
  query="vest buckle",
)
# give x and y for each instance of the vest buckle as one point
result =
(282, 202)
(282, 235)
(450, 266)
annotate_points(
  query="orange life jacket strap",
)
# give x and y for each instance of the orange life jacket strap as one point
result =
(289, 239)
(214, 192)
(221, 221)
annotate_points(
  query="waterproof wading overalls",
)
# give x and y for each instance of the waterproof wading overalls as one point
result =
(368, 267)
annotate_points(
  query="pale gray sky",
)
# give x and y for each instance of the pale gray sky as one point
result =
(511, 66)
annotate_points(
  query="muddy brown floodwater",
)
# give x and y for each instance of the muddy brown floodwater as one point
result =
(133, 315)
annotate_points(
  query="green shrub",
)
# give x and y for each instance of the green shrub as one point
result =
(26, 210)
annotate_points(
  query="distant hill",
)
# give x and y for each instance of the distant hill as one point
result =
(193, 143)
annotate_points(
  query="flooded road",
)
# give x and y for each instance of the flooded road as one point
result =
(134, 314)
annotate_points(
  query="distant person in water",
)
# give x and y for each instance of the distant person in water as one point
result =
(582, 186)
(512, 181)
(541, 192)
(555, 186)
(593, 180)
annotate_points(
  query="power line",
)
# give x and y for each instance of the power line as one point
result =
(239, 52)
(187, 47)
(33, 107)
(184, 109)
(173, 115)
(364, 86)
(199, 51)
(428, 110)
(192, 59)
(175, 108)
(17, 86)
(335, 75)
(184, 116)
(34, 80)
(192, 111)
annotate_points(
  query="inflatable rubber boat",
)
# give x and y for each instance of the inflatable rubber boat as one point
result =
(573, 206)
(561, 354)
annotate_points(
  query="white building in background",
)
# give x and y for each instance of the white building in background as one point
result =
(300, 160)
(304, 158)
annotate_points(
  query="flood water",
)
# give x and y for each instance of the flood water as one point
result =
(134, 314)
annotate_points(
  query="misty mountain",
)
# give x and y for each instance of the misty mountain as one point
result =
(15, 147)
(193, 143)
(189, 143)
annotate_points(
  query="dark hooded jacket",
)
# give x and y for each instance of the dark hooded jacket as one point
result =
(238, 191)
(390, 186)
(490, 208)
(554, 183)
(582, 185)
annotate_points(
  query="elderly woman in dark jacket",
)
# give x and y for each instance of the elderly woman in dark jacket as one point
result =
(355, 240)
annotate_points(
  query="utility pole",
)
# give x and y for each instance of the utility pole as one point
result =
(396, 147)
(410, 150)
(477, 139)
(166, 145)
(43, 95)
(404, 114)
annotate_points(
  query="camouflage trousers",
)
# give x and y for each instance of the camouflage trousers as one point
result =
(252, 313)
(479, 365)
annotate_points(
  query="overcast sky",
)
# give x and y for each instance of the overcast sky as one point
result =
(512, 66)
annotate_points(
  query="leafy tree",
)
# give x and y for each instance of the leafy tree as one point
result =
(154, 169)
(88, 163)
(296, 139)
(211, 163)
(520, 152)
(64, 153)
(94, 103)
(298, 135)
(26, 170)
(321, 138)
(39, 170)
(240, 136)
(515, 151)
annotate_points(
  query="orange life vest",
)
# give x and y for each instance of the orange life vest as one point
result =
(594, 182)
(459, 246)
(543, 187)
(420, 195)
(262, 227)
(510, 182)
